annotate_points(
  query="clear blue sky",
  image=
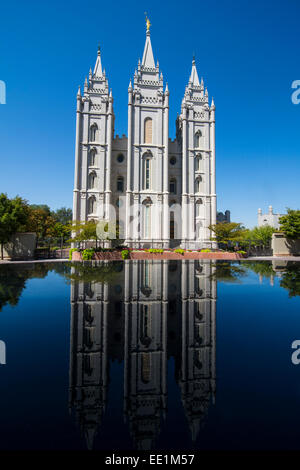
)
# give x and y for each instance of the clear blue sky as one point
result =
(247, 52)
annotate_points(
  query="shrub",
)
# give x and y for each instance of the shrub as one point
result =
(87, 254)
(179, 250)
(155, 250)
(70, 253)
(205, 250)
(125, 254)
(242, 252)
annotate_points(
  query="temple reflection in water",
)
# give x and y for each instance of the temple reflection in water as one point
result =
(150, 311)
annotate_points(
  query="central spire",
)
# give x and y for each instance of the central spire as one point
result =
(194, 79)
(98, 65)
(148, 59)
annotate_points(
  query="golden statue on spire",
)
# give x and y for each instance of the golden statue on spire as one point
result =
(148, 24)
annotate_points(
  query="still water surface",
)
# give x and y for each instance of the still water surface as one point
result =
(149, 355)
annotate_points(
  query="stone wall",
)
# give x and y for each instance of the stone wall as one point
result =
(282, 246)
(21, 247)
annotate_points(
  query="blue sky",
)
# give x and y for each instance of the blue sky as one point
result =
(246, 51)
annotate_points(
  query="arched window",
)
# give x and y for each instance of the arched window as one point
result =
(93, 132)
(148, 131)
(92, 180)
(92, 205)
(198, 136)
(120, 184)
(93, 157)
(198, 184)
(173, 185)
(147, 172)
(199, 208)
(198, 162)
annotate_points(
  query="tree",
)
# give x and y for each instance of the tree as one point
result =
(95, 230)
(40, 222)
(13, 213)
(84, 231)
(228, 232)
(290, 224)
(42, 207)
(62, 215)
(261, 235)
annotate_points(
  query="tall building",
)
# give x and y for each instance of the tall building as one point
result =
(160, 191)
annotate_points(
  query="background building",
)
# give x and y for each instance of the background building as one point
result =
(268, 219)
(160, 191)
(223, 217)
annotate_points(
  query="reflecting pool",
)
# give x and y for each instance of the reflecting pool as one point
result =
(150, 355)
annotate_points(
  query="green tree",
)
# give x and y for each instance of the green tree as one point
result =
(290, 224)
(40, 222)
(84, 231)
(261, 235)
(228, 232)
(42, 207)
(62, 215)
(13, 215)
(95, 230)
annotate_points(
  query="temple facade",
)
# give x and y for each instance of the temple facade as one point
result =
(159, 192)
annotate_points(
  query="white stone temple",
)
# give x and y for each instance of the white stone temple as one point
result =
(161, 192)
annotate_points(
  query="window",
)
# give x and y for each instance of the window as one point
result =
(172, 186)
(93, 132)
(147, 222)
(199, 231)
(198, 162)
(199, 208)
(145, 325)
(146, 368)
(120, 158)
(92, 157)
(198, 136)
(198, 184)
(147, 172)
(119, 203)
(91, 205)
(148, 131)
(146, 274)
(92, 180)
(120, 184)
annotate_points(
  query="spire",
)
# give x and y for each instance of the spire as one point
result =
(148, 59)
(98, 65)
(194, 79)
